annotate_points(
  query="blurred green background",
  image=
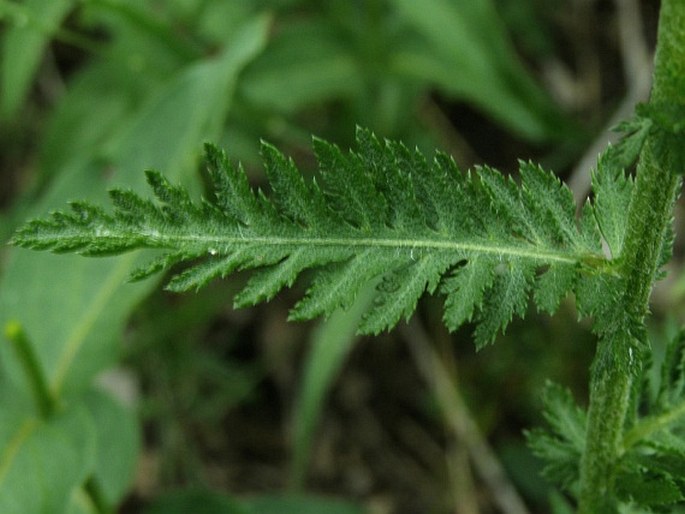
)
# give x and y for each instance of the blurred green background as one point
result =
(182, 404)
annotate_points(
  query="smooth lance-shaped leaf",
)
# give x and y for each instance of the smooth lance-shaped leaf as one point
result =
(306, 62)
(463, 47)
(75, 309)
(118, 445)
(21, 47)
(481, 244)
(42, 462)
(330, 344)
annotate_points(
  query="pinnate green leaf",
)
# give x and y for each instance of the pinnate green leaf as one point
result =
(383, 214)
(648, 490)
(562, 443)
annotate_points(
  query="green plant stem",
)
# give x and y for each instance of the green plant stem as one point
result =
(45, 401)
(649, 216)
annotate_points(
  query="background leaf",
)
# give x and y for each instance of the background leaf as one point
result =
(198, 502)
(118, 445)
(33, 24)
(465, 50)
(300, 505)
(305, 64)
(42, 462)
(80, 338)
(330, 345)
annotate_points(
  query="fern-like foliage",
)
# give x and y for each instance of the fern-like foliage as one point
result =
(380, 213)
(651, 471)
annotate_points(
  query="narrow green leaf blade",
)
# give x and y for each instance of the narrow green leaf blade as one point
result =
(33, 23)
(306, 62)
(464, 49)
(330, 344)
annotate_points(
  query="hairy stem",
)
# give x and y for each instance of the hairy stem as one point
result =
(649, 215)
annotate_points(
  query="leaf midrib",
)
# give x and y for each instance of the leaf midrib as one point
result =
(178, 241)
